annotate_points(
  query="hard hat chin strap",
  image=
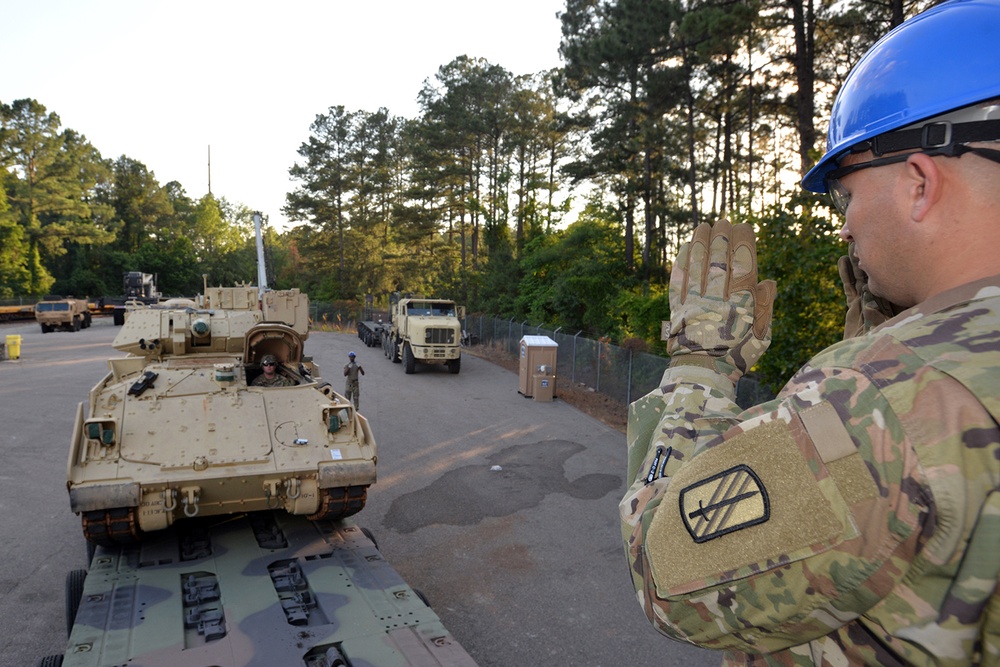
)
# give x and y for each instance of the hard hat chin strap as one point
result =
(940, 136)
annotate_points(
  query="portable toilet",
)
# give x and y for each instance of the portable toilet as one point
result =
(537, 366)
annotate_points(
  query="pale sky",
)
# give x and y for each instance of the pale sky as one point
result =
(160, 82)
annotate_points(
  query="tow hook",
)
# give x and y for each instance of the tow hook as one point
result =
(169, 499)
(191, 496)
(271, 491)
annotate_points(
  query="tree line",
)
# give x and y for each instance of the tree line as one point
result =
(558, 197)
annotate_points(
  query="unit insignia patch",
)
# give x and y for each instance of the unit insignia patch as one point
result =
(732, 500)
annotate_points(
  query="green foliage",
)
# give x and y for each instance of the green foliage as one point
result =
(798, 248)
(15, 278)
(642, 312)
(673, 112)
(573, 277)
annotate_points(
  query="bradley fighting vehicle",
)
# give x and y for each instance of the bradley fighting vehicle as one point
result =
(248, 570)
(177, 429)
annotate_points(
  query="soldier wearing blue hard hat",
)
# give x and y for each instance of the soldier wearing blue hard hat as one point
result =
(855, 519)
(352, 387)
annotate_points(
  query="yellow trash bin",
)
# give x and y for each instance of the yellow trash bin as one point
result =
(13, 346)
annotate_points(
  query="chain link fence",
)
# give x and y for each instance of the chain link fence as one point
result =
(622, 374)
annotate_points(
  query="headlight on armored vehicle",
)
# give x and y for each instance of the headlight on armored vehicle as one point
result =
(101, 431)
(200, 328)
(335, 418)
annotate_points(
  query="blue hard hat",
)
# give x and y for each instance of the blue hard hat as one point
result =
(941, 60)
(351, 354)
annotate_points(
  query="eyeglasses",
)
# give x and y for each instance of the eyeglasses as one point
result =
(839, 194)
(268, 363)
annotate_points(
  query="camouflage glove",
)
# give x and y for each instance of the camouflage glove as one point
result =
(720, 316)
(865, 311)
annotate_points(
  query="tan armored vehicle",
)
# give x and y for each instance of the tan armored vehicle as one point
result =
(178, 429)
(68, 314)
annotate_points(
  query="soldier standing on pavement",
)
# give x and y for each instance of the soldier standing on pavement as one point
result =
(352, 389)
(855, 519)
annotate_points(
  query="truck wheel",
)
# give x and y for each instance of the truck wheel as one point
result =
(394, 355)
(454, 366)
(408, 361)
(119, 317)
(74, 594)
(46, 328)
(86, 320)
(76, 324)
(51, 661)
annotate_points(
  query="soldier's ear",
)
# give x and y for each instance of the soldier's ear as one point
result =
(924, 182)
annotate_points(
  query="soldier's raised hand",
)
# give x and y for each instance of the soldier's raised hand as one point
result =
(720, 316)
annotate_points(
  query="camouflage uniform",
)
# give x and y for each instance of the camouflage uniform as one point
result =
(277, 381)
(352, 388)
(853, 520)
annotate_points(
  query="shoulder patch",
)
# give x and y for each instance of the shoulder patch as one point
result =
(724, 503)
(743, 508)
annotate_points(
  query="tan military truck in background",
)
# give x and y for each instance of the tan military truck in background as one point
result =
(424, 331)
(68, 314)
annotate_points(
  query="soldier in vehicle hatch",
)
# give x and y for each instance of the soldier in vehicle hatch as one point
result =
(352, 387)
(855, 519)
(270, 376)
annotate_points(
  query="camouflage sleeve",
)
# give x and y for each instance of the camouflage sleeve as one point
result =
(743, 531)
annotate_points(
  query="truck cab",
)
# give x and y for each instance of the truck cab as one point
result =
(66, 313)
(426, 331)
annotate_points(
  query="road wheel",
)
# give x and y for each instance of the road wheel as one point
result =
(76, 324)
(46, 328)
(51, 661)
(408, 361)
(340, 502)
(395, 351)
(112, 528)
(454, 366)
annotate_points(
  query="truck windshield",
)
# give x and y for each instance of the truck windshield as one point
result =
(433, 308)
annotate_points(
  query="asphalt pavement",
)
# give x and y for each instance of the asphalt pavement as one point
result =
(502, 510)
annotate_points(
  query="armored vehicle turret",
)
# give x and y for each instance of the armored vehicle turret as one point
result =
(178, 427)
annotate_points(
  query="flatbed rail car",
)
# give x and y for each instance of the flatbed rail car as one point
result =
(10, 313)
(371, 332)
(259, 589)
(25, 311)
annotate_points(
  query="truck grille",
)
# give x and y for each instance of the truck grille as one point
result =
(440, 336)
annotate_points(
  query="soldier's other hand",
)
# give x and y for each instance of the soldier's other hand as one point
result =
(865, 311)
(720, 316)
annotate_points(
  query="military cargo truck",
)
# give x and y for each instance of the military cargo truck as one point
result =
(261, 588)
(66, 313)
(424, 331)
(138, 289)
